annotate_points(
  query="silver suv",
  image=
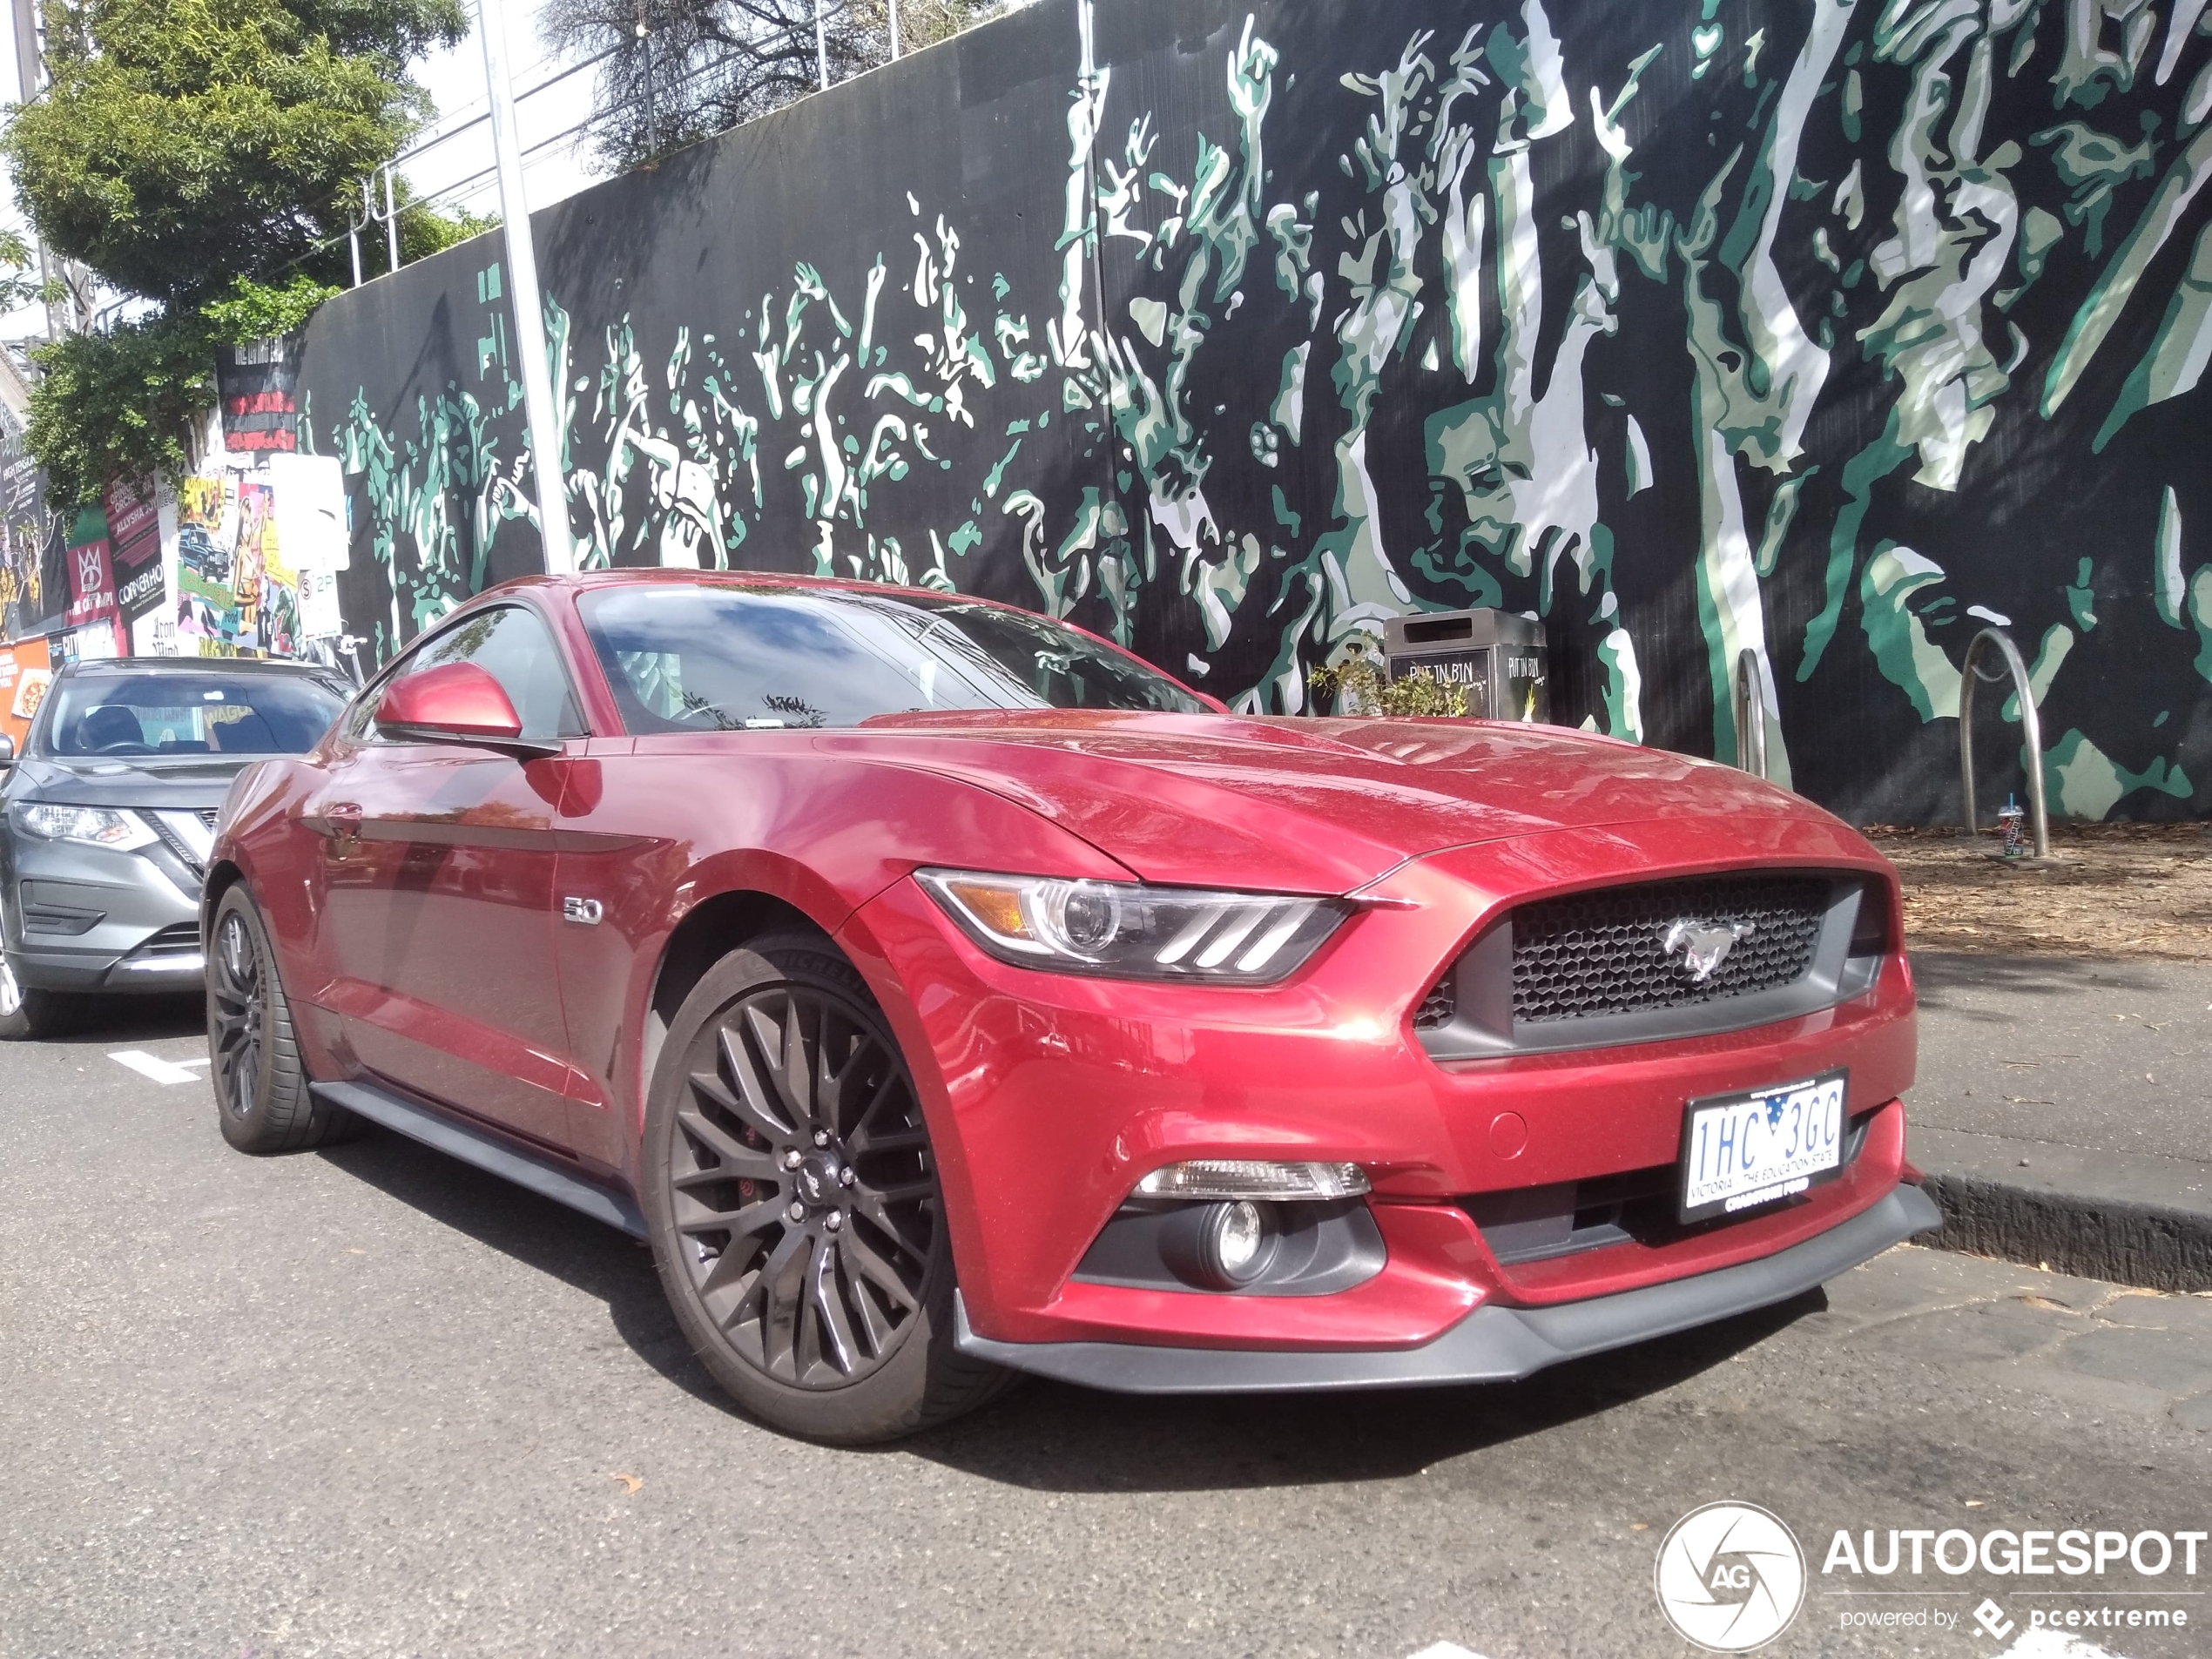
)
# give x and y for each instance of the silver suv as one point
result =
(107, 815)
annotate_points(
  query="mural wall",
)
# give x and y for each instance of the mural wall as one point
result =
(1834, 330)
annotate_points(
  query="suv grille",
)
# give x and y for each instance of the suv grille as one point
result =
(1604, 951)
(178, 939)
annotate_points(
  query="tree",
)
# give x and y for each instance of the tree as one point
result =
(204, 155)
(703, 65)
(184, 143)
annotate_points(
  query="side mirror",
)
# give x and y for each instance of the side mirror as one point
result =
(456, 703)
(7, 751)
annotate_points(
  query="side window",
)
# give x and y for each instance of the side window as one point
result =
(515, 648)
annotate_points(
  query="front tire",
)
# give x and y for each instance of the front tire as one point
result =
(262, 1095)
(793, 1203)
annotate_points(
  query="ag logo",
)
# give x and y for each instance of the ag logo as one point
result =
(1730, 1577)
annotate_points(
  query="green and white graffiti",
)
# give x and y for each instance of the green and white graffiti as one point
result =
(1830, 332)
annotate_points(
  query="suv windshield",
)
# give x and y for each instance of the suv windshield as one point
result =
(188, 713)
(688, 658)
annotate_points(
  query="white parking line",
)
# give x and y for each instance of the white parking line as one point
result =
(162, 1071)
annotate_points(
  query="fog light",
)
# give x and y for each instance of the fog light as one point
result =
(1234, 1178)
(1236, 1239)
(1220, 1246)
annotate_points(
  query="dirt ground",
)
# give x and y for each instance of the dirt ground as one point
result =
(2111, 890)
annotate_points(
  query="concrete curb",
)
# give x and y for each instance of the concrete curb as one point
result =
(2121, 1240)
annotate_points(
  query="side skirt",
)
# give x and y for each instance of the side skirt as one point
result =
(487, 1152)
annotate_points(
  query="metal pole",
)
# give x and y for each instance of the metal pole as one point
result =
(522, 283)
(895, 31)
(391, 218)
(28, 73)
(2031, 733)
(821, 45)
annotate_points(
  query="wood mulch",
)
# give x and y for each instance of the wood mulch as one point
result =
(2117, 891)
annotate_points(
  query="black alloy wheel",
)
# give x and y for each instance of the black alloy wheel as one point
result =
(263, 1097)
(236, 1016)
(796, 1216)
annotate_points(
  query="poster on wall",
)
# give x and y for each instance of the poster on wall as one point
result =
(267, 588)
(134, 543)
(25, 671)
(258, 383)
(96, 642)
(91, 573)
(208, 604)
(311, 510)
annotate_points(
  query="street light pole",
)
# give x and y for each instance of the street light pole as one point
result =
(895, 31)
(522, 283)
(821, 46)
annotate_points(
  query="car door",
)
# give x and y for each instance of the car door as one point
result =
(437, 902)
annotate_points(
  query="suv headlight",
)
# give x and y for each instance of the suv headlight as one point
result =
(93, 825)
(1127, 931)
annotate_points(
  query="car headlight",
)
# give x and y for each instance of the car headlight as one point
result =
(1128, 931)
(93, 825)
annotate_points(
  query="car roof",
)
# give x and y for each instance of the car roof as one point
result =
(194, 665)
(656, 576)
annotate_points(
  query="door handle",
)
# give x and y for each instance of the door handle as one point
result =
(342, 819)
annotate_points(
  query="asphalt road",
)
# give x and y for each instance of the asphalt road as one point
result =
(369, 1401)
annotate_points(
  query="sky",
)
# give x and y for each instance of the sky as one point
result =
(455, 81)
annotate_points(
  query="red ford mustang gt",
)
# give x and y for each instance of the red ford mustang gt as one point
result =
(945, 994)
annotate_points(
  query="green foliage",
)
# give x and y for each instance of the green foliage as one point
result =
(254, 311)
(118, 404)
(1420, 695)
(198, 153)
(19, 285)
(1359, 687)
(425, 231)
(184, 143)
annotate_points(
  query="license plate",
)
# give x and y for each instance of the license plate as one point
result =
(1741, 1151)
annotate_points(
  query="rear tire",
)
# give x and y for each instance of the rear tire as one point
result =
(263, 1099)
(793, 1199)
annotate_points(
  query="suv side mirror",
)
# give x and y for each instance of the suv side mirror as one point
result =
(457, 703)
(7, 751)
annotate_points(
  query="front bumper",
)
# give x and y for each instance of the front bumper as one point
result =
(1493, 1343)
(94, 919)
(1049, 1096)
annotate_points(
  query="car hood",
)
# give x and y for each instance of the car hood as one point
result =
(1306, 805)
(197, 781)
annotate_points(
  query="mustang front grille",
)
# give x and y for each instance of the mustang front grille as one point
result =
(1651, 960)
(1623, 950)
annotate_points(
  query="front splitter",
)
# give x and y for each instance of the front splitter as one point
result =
(1493, 1343)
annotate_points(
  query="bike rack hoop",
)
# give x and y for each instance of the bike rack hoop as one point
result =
(2031, 730)
(1750, 714)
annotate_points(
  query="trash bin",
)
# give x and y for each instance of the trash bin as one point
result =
(1499, 656)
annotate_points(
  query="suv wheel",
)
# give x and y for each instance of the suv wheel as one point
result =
(793, 1203)
(262, 1098)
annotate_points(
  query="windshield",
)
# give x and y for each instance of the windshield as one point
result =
(688, 658)
(163, 714)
